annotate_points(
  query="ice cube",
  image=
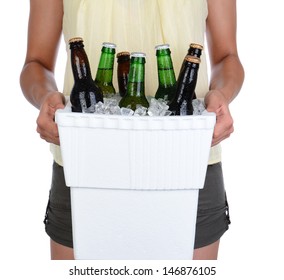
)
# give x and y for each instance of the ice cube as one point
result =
(157, 107)
(140, 110)
(166, 113)
(115, 110)
(198, 106)
(126, 111)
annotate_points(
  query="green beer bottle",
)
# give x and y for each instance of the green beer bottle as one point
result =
(85, 93)
(167, 79)
(136, 84)
(105, 70)
(182, 102)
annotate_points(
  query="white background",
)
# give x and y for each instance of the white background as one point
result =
(252, 157)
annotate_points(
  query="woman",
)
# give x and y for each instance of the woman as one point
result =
(135, 25)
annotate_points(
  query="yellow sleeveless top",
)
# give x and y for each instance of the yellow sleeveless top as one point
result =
(134, 26)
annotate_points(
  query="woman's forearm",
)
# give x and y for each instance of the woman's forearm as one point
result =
(227, 76)
(36, 82)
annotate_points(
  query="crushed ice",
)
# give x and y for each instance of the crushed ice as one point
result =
(157, 107)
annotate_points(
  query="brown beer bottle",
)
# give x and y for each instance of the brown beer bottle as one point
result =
(123, 66)
(182, 102)
(194, 50)
(85, 93)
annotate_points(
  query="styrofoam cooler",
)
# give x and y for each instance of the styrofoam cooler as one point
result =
(134, 182)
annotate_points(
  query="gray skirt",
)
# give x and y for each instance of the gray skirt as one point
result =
(212, 214)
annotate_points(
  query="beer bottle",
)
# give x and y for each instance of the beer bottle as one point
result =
(105, 70)
(167, 79)
(84, 94)
(195, 50)
(182, 102)
(123, 65)
(135, 93)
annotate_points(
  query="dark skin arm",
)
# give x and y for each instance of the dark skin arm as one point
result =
(37, 76)
(227, 73)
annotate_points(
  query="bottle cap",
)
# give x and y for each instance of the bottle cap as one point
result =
(196, 46)
(109, 45)
(138, 54)
(162, 47)
(75, 39)
(122, 53)
(193, 59)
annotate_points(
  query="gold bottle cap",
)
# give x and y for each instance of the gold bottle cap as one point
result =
(122, 53)
(193, 59)
(75, 39)
(196, 46)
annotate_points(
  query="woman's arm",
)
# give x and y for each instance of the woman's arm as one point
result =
(227, 73)
(37, 76)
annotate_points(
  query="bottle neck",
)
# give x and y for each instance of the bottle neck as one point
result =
(123, 59)
(166, 73)
(123, 65)
(187, 81)
(136, 77)
(105, 67)
(192, 71)
(80, 64)
(194, 52)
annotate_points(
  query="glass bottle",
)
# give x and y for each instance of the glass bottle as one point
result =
(136, 84)
(84, 94)
(105, 70)
(123, 66)
(182, 102)
(195, 50)
(166, 75)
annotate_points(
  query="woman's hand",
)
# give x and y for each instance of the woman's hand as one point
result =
(216, 102)
(46, 126)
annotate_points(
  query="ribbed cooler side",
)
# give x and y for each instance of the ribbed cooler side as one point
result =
(169, 159)
(135, 152)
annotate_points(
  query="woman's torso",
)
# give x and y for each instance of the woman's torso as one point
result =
(137, 25)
